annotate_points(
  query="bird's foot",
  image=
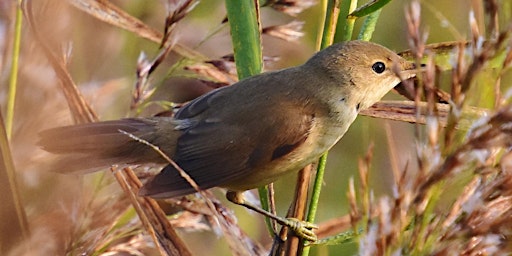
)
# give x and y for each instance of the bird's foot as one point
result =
(302, 229)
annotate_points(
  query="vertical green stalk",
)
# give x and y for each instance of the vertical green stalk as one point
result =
(244, 22)
(347, 7)
(321, 23)
(331, 20)
(14, 70)
(317, 187)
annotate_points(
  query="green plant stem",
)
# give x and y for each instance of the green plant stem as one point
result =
(317, 187)
(11, 98)
(369, 8)
(331, 20)
(245, 34)
(369, 26)
(342, 238)
(315, 196)
(347, 7)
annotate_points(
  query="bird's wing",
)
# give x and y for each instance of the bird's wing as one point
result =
(231, 143)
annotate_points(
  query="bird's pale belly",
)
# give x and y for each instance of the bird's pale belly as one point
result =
(318, 142)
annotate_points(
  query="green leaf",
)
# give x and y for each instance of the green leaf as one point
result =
(368, 8)
(243, 17)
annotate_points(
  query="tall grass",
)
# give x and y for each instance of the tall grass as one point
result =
(94, 59)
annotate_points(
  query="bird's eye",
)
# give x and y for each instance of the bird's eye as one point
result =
(378, 67)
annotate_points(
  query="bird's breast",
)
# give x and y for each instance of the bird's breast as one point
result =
(325, 132)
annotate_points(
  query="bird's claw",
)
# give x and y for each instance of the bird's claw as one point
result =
(302, 229)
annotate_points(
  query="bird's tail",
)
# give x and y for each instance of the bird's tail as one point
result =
(90, 147)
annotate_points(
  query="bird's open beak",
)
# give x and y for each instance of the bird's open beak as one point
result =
(409, 70)
(407, 89)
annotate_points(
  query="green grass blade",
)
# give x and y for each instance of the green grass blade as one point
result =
(243, 19)
(369, 8)
(331, 19)
(369, 26)
(345, 34)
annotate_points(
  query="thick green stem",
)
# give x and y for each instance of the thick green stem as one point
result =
(347, 7)
(244, 22)
(331, 20)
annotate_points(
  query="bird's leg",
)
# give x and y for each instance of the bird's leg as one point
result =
(303, 229)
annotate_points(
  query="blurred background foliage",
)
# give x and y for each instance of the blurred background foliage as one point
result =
(102, 60)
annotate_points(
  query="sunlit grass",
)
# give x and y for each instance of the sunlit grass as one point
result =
(450, 190)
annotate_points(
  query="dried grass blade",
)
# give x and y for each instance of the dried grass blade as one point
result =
(81, 111)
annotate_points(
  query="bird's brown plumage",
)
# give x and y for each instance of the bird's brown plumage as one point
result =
(247, 134)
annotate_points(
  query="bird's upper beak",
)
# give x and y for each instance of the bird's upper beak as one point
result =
(409, 70)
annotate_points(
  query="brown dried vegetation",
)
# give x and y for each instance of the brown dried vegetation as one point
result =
(429, 211)
(459, 200)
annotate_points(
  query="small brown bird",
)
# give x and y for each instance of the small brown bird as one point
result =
(245, 135)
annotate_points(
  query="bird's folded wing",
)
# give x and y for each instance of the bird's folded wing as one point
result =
(231, 145)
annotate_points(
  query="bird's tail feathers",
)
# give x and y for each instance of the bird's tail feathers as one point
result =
(89, 147)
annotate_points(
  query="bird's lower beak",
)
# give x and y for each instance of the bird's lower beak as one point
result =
(410, 70)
